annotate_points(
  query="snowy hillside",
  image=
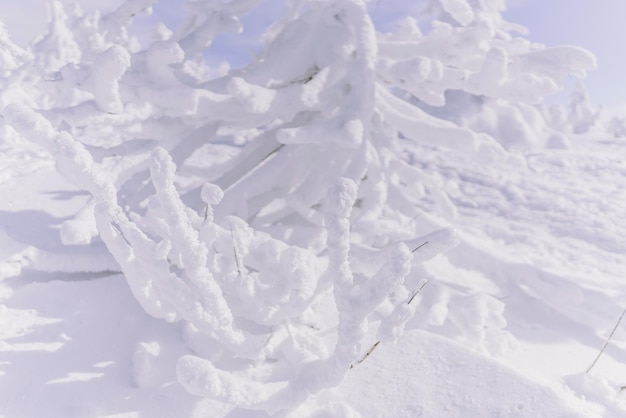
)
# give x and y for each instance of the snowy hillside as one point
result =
(350, 224)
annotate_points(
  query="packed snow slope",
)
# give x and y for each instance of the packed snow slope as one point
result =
(507, 324)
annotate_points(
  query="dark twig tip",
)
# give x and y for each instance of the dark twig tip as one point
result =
(420, 247)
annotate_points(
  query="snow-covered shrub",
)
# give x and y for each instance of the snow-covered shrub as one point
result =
(576, 116)
(489, 80)
(245, 296)
(582, 115)
(617, 126)
(271, 208)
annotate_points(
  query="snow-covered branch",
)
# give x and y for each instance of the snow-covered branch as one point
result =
(270, 209)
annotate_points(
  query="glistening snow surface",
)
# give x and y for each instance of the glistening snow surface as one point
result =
(407, 244)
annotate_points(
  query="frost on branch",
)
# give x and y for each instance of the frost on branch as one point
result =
(326, 90)
(273, 209)
(243, 295)
(355, 305)
(480, 76)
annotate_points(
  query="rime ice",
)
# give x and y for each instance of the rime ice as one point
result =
(281, 212)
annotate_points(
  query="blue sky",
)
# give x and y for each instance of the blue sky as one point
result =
(596, 25)
(599, 26)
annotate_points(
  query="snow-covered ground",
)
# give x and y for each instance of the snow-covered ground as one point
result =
(514, 315)
(508, 323)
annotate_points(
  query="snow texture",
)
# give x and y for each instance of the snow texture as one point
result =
(352, 223)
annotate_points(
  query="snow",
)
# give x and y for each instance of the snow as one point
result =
(388, 226)
(539, 248)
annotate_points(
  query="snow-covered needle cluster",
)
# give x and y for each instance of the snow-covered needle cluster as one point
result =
(270, 208)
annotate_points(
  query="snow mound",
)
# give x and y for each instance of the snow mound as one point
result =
(428, 376)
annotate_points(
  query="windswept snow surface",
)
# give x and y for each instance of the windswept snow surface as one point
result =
(507, 325)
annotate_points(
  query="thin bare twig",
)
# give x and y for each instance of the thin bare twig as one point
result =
(366, 355)
(419, 247)
(606, 342)
(368, 352)
(237, 262)
(417, 292)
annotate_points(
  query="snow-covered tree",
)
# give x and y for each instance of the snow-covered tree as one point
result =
(270, 208)
(617, 126)
(582, 115)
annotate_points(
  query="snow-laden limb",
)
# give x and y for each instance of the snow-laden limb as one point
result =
(197, 297)
(478, 75)
(207, 19)
(200, 377)
(48, 57)
(237, 287)
(104, 79)
(460, 10)
(355, 304)
(11, 58)
(325, 90)
(278, 257)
